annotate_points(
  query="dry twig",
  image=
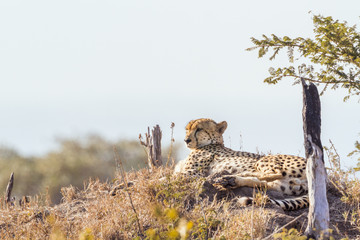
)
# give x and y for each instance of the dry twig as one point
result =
(292, 221)
(172, 140)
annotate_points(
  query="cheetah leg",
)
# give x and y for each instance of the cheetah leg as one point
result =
(234, 181)
(289, 186)
(263, 176)
(249, 182)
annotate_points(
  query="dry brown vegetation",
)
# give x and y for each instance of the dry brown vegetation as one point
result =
(158, 205)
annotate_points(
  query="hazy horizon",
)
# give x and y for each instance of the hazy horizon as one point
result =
(114, 68)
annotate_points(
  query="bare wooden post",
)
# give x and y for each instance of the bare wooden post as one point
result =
(156, 136)
(153, 147)
(318, 217)
(9, 189)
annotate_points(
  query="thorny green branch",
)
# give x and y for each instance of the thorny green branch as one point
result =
(336, 47)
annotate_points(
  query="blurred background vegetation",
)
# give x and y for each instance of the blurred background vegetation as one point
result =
(74, 161)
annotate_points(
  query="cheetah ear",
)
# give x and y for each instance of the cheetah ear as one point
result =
(221, 127)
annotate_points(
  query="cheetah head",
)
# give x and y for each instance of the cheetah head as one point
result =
(204, 131)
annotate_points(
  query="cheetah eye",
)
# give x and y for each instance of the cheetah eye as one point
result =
(198, 130)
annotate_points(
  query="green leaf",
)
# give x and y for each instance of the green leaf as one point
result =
(334, 51)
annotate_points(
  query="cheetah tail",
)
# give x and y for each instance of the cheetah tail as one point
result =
(287, 204)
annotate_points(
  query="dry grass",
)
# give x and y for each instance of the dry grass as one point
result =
(162, 207)
(168, 208)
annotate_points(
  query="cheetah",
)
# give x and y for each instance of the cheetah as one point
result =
(208, 156)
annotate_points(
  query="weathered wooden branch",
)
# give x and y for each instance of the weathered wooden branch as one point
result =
(318, 217)
(153, 147)
(9, 189)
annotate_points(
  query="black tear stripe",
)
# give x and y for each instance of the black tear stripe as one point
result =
(208, 135)
(197, 141)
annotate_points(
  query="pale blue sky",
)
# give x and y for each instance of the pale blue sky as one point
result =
(68, 68)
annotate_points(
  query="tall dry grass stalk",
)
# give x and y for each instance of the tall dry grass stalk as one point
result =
(125, 182)
(172, 140)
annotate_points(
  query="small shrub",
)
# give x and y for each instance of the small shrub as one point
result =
(291, 234)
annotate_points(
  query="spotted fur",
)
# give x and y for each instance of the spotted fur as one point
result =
(283, 173)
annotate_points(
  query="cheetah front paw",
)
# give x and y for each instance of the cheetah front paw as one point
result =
(227, 182)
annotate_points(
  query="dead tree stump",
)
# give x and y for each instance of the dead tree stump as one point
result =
(318, 217)
(8, 199)
(153, 147)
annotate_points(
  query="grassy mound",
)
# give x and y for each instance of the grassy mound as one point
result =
(159, 205)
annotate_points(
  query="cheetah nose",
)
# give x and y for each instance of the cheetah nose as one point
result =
(187, 140)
